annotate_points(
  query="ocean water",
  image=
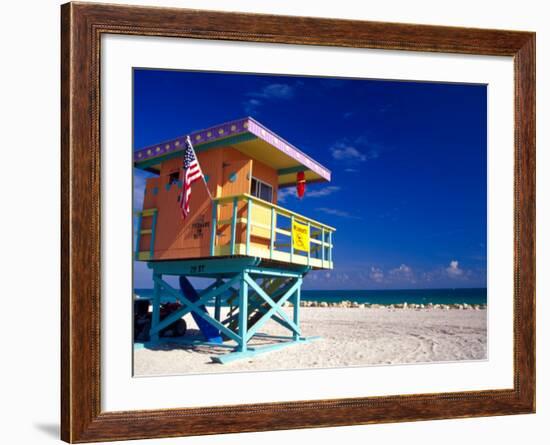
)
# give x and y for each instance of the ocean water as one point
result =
(415, 296)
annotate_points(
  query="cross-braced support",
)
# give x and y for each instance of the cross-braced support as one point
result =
(255, 294)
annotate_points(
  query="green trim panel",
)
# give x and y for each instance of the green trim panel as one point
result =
(236, 139)
(296, 169)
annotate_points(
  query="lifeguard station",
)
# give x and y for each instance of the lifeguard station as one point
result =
(256, 251)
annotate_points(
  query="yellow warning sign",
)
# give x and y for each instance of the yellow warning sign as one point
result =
(300, 236)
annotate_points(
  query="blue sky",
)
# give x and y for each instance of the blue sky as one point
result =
(408, 194)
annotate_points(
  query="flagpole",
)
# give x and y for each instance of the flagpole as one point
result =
(200, 168)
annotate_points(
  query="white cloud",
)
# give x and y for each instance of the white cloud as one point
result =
(376, 274)
(453, 270)
(360, 149)
(325, 191)
(273, 91)
(336, 212)
(363, 275)
(402, 270)
(343, 152)
(290, 192)
(403, 273)
(251, 106)
(284, 193)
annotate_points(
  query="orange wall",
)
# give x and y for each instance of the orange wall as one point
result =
(266, 174)
(190, 238)
(175, 237)
(150, 198)
(238, 167)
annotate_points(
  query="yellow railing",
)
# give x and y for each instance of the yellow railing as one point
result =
(263, 221)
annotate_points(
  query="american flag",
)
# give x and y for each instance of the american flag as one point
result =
(191, 173)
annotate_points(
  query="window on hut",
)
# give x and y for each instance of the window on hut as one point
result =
(261, 190)
(174, 177)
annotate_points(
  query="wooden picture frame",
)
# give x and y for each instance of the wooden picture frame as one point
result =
(82, 26)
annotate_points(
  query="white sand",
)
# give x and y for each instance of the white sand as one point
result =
(350, 337)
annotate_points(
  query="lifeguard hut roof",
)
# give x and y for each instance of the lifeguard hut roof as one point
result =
(246, 135)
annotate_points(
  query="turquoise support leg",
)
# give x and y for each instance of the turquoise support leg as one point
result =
(209, 332)
(236, 282)
(275, 308)
(193, 307)
(217, 307)
(243, 312)
(218, 301)
(155, 316)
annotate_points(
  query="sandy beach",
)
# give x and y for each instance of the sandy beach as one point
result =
(349, 337)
